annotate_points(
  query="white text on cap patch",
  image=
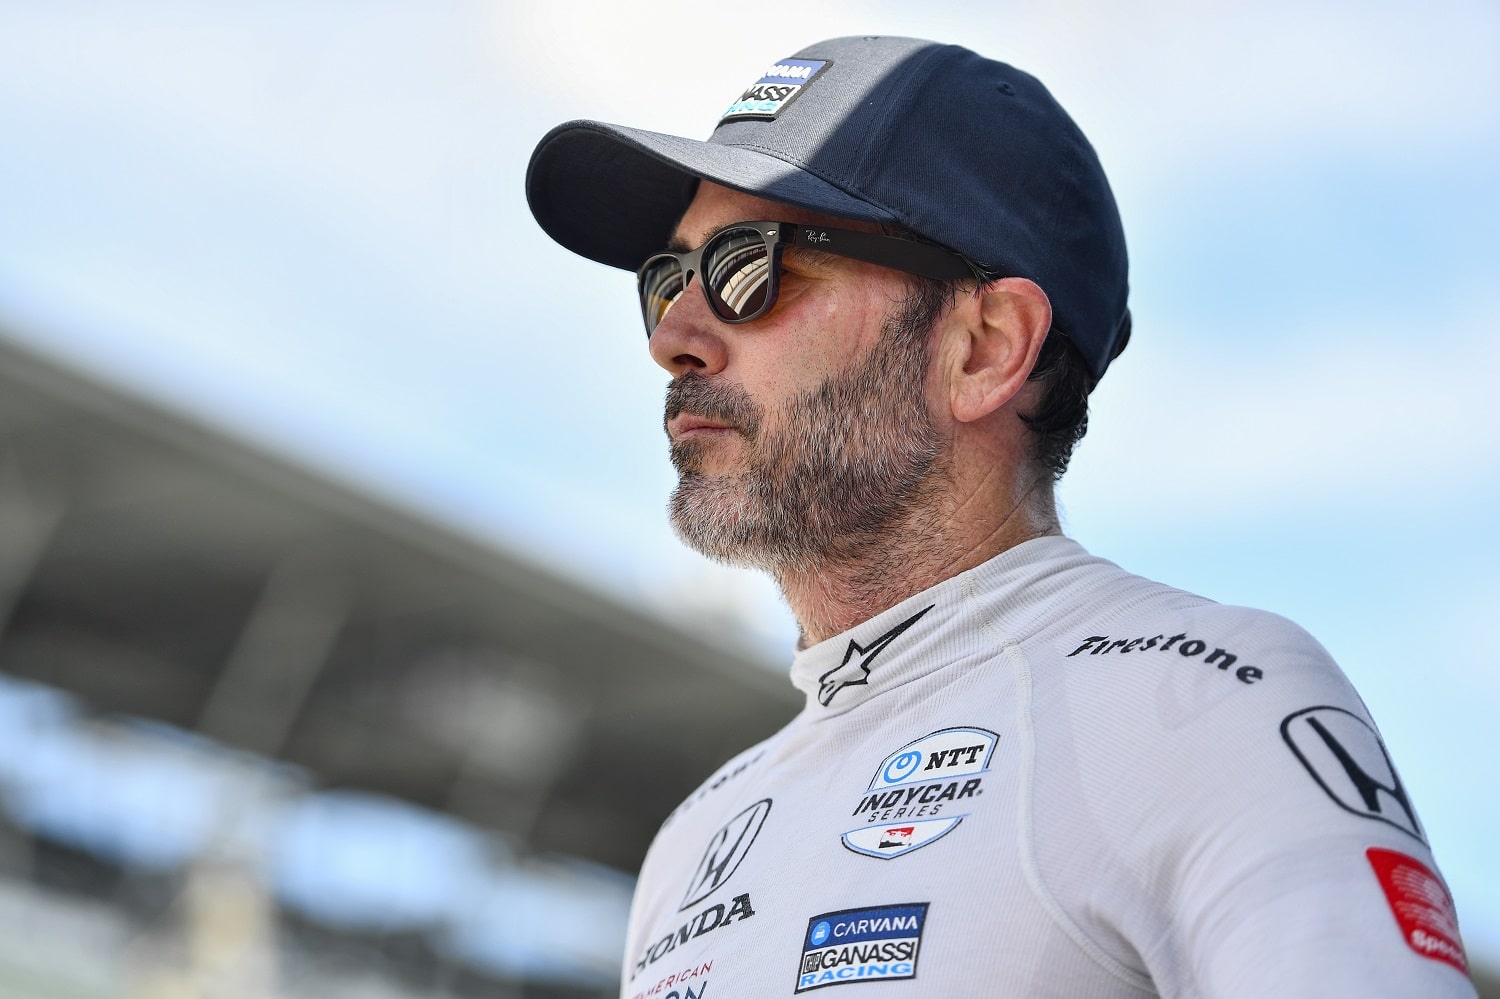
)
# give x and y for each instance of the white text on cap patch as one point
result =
(766, 97)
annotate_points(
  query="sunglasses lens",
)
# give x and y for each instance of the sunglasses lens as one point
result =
(737, 274)
(736, 269)
(661, 285)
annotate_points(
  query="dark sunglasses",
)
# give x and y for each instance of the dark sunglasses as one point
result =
(739, 267)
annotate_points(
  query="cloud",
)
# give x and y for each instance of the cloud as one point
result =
(671, 65)
(1213, 80)
(1163, 83)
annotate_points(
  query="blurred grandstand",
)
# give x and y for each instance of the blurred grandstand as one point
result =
(261, 735)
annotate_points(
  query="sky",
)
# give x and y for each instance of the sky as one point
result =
(304, 223)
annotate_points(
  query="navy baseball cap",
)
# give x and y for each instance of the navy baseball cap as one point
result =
(962, 150)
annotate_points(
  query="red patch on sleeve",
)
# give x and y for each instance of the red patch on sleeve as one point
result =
(1422, 906)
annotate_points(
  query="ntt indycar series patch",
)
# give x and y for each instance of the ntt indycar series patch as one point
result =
(914, 784)
(861, 945)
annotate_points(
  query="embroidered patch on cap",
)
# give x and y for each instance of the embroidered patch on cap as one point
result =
(861, 945)
(768, 96)
(1421, 904)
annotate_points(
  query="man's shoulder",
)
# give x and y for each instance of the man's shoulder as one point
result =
(1168, 676)
(1171, 628)
(703, 798)
(1112, 637)
(1088, 610)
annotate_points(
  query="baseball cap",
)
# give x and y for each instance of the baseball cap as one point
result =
(967, 152)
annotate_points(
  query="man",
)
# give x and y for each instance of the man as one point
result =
(883, 290)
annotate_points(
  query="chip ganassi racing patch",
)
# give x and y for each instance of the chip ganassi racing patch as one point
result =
(910, 800)
(767, 96)
(879, 943)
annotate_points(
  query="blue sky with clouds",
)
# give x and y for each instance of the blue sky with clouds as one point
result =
(305, 223)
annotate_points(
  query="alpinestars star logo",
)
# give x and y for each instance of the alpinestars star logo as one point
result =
(855, 674)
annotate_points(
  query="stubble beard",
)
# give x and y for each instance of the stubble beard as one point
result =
(841, 467)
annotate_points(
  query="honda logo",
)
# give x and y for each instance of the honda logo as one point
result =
(1345, 756)
(726, 848)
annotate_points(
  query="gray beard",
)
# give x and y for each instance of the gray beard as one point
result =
(852, 459)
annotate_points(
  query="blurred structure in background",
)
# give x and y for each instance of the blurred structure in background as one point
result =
(261, 736)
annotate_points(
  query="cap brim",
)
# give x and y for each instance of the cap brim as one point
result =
(615, 194)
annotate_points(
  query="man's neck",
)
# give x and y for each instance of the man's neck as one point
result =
(925, 548)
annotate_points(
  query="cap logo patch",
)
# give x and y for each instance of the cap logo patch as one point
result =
(768, 97)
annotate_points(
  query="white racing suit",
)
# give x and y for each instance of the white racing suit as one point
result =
(1048, 777)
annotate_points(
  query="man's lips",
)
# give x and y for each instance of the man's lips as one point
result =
(686, 424)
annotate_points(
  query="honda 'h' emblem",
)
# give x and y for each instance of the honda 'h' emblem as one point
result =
(726, 848)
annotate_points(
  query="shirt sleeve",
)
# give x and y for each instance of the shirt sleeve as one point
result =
(1259, 839)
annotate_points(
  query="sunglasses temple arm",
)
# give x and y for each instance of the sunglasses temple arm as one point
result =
(887, 251)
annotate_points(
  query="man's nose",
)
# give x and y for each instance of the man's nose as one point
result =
(689, 337)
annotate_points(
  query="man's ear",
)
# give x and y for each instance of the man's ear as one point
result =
(995, 345)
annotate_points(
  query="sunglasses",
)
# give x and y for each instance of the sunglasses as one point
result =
(739, 267)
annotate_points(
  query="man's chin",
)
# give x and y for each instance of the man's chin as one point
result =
(710, 514)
